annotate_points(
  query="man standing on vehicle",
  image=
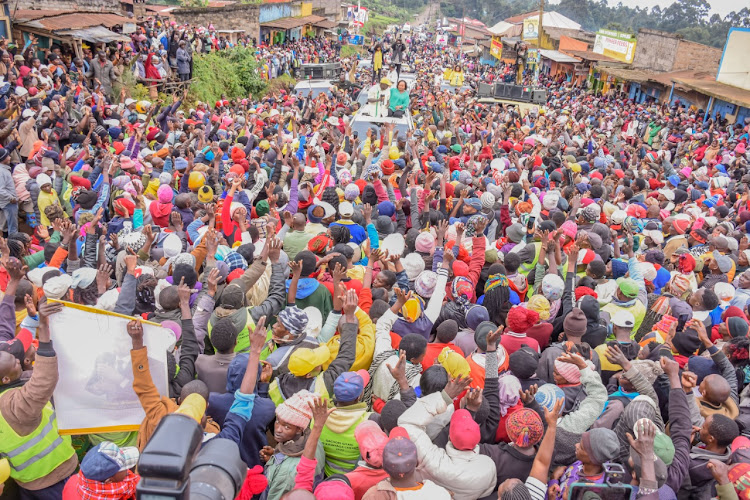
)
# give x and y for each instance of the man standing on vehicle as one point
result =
(377, 99)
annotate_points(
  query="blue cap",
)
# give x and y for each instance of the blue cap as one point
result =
(107, 459)
(674, 180)
(349, 386)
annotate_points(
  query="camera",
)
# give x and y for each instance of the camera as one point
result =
(175, 465)
(614, 487)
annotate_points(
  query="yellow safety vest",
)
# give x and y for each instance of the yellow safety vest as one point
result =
(274, 391)
(36, 455)
(342, 450)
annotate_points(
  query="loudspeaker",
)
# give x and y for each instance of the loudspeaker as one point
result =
(485, 90)
(539, 96)
(515, 92)
(500, 90)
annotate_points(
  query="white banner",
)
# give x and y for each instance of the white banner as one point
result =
(95, 389)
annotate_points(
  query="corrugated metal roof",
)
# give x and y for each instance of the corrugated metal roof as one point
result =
(590, 56)
(96, 34)
(734, 95)
(325, 24)
(82, 20)
(557, 56)
(54, 20)
(288, 23)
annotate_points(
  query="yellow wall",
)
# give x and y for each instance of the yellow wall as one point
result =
(306, 9)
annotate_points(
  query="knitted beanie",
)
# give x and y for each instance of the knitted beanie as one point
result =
(296, 410)
(574, 323)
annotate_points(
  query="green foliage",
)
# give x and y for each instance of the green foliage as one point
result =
(229, 72)
(400, 10)
(351, 50)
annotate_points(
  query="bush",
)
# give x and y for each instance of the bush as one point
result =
(231, 73)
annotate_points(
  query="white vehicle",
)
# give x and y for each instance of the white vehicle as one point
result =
(360, 123)
(406, 27)
(303, 88)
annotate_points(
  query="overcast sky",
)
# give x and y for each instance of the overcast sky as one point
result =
(721, 7)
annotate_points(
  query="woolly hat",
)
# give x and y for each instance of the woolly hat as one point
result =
(547, 395)
(520, 319)
(737, 327)
(487, 200)
(464, 431)
(568, 371)
(424, 242)
(524, 362)
(296, 409)
(569, 229)
(524, 427)
(164, 193)
(601, 445)
(476, 315)
(516, 232)
(413, 265)
(574, 323)
(686, 342)
(425, 283)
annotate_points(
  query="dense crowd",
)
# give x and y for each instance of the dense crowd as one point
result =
(500, 303)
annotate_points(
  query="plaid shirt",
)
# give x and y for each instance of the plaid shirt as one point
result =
(96, 490)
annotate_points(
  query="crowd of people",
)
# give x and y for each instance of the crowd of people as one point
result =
(549, 303)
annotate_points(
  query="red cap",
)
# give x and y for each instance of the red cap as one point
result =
(464, 431)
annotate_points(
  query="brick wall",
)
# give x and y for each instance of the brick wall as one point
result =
(231, 17)
(692, 55)
(655, 50)
(72, 5)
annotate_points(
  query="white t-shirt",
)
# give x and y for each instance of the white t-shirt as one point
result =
(428, 490)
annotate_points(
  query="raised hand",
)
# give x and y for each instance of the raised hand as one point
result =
(213, 281)
(456, 386)
(258, 338)
(16, 269)
(528, 395)
(473, 400)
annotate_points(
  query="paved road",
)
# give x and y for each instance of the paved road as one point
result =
(430, 13)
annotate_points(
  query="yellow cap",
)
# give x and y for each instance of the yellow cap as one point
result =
(194, 406)
(385, 81)
(394, 153)
(304, 360)
(454, 363)
(264, 144)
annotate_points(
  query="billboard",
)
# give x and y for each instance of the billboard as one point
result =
(615, 44)
(530, 29)
(357, 15)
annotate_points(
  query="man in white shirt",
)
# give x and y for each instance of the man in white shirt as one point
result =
(377, 99)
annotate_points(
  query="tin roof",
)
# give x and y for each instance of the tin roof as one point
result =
(54, 20)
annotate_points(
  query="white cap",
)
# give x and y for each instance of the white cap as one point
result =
(129, 101)
(27, 113)
(623, 319)
(21, 91)
(618, 216)
(329, 211)
(668, 194)
(346, 209)
(43, 179)
(655, 235)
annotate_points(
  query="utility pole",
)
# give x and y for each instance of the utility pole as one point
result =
(539, 40)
